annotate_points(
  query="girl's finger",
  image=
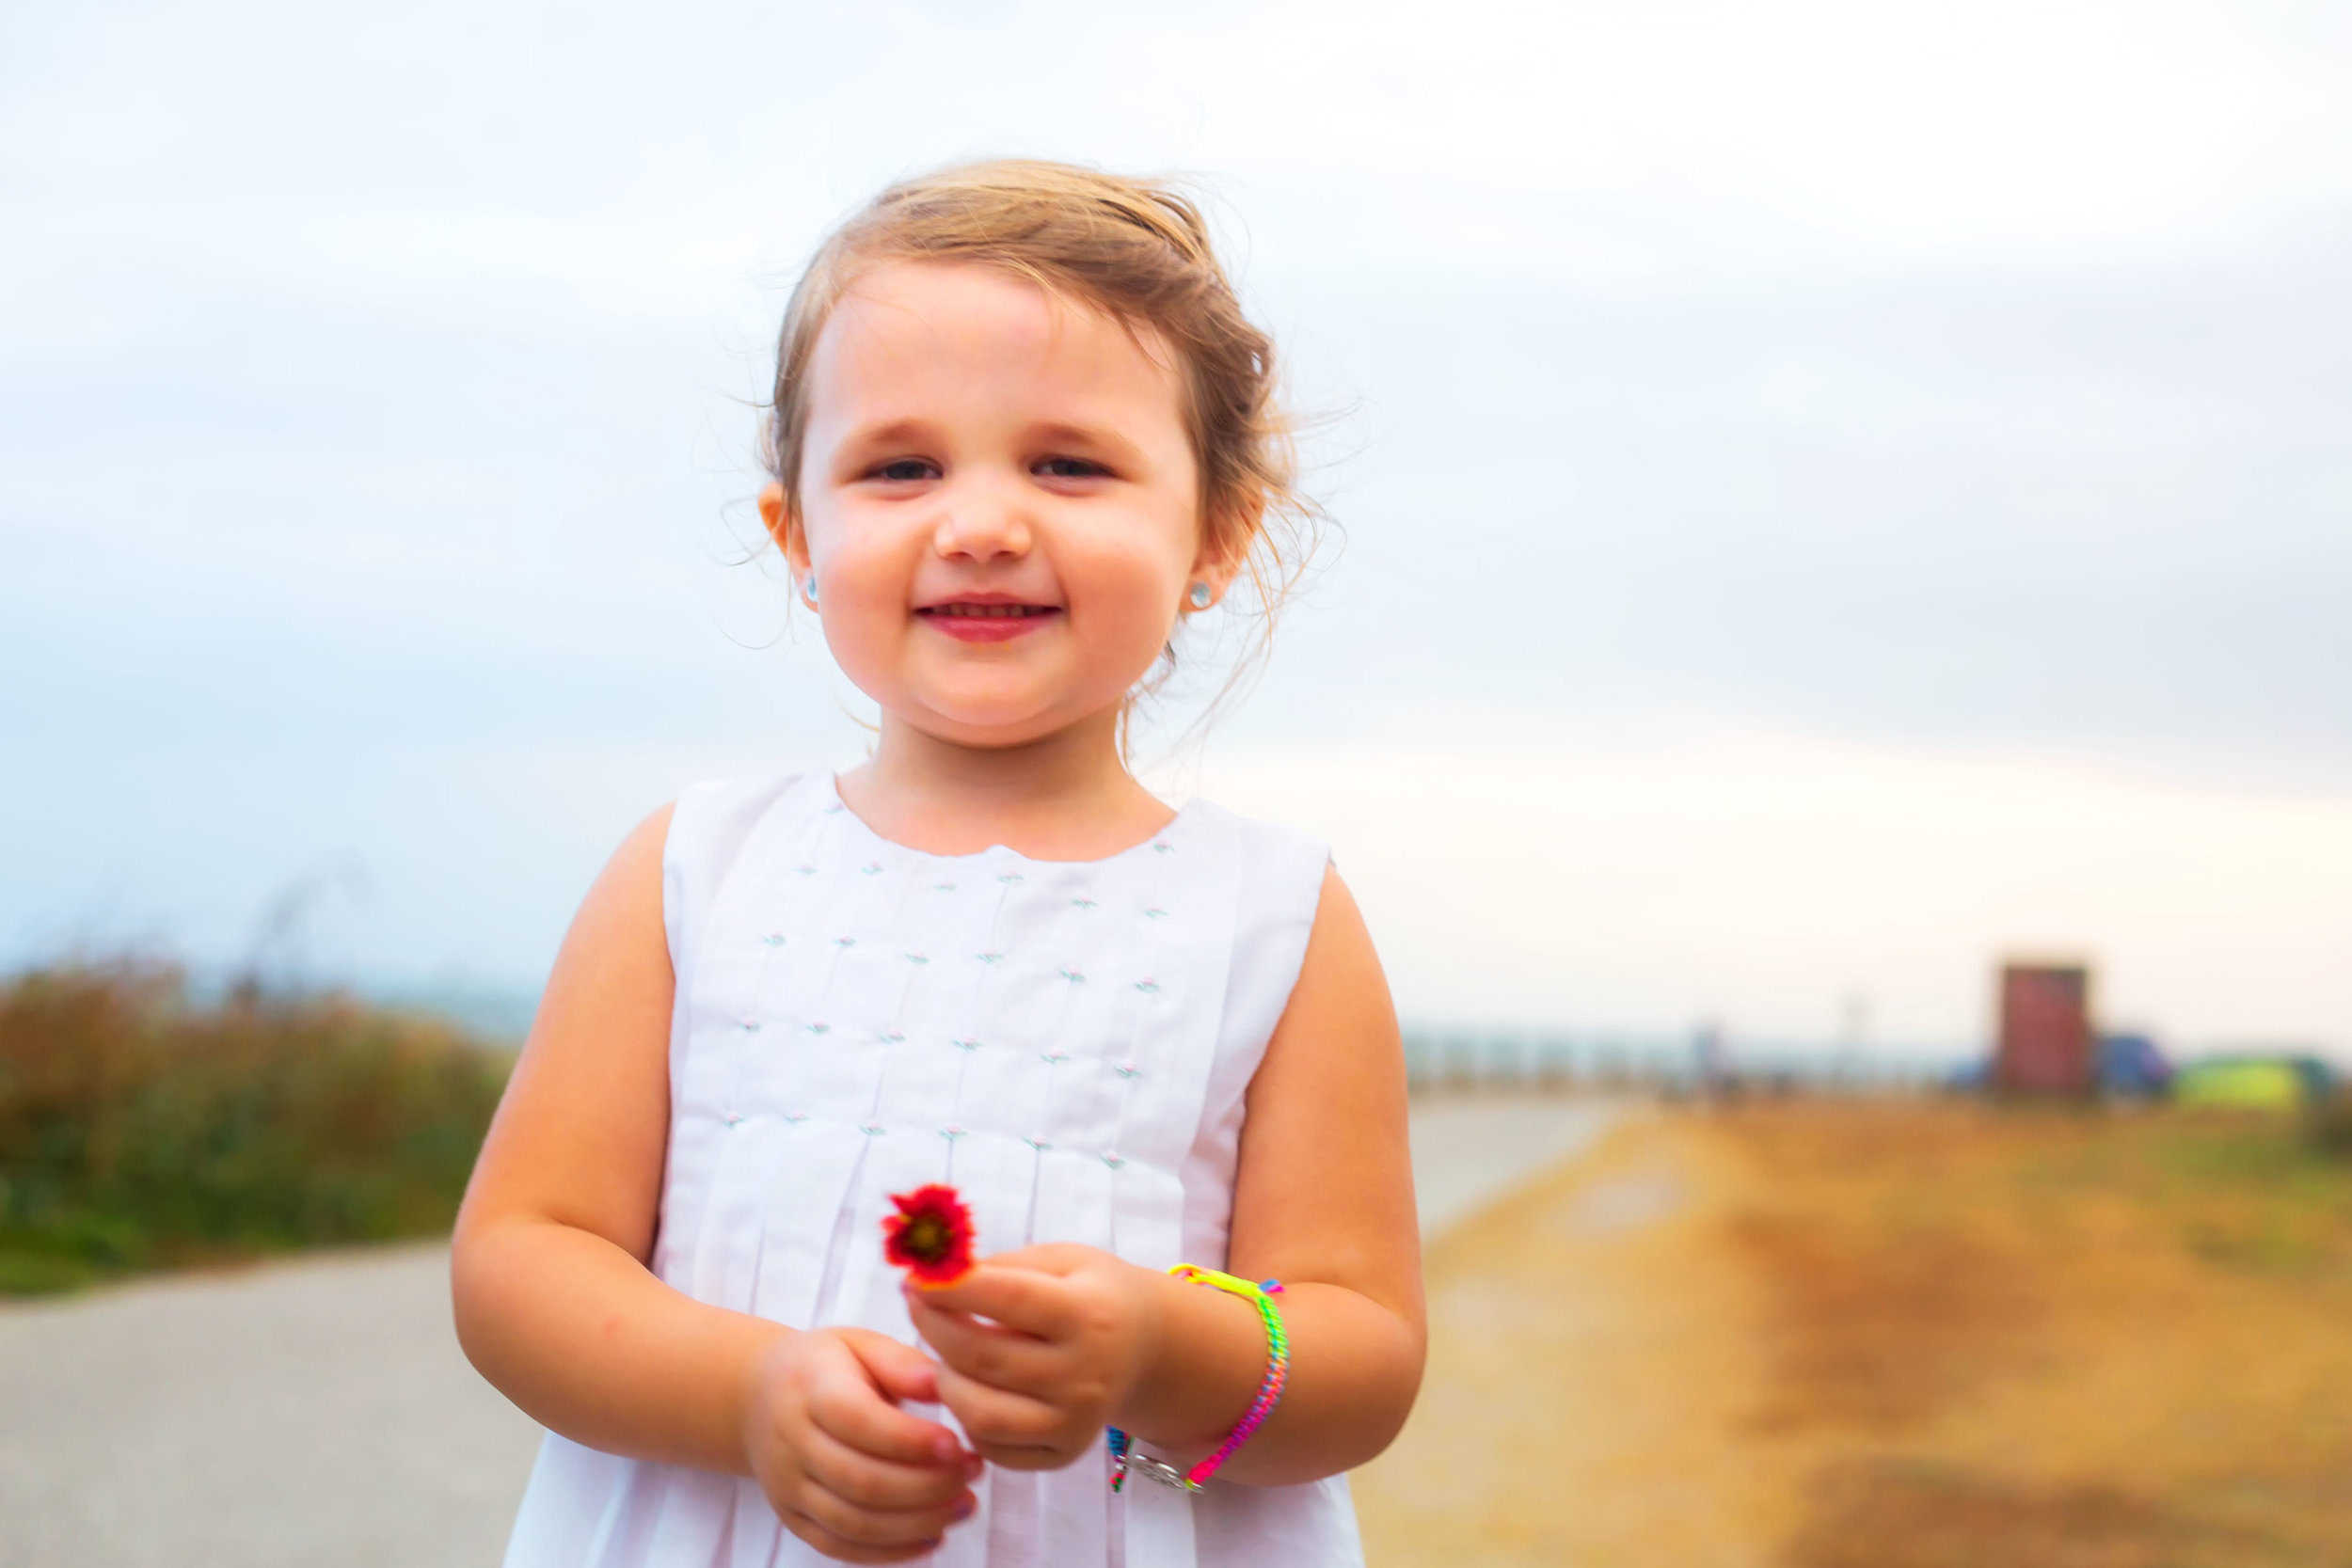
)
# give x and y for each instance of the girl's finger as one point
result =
(843, 1549)
(1000, 1417)
(874, 1526)
(877, 1484)
(1054, 1257)
(899, 1371)
(993, 1355)
(853, 1414)
(1022, 1298)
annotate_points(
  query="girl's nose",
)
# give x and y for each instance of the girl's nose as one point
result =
(981, 522)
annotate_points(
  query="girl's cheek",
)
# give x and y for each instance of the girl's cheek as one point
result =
(1137, 577)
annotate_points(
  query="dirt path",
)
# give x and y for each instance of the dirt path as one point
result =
(1891, 1334)
(1589, 1378)
(319, 1413)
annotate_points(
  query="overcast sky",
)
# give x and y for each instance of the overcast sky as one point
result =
(1826, 494)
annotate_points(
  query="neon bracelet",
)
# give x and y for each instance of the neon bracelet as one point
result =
(1125, 1456)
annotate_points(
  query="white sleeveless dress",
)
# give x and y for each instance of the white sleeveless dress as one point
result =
(1068, 1042)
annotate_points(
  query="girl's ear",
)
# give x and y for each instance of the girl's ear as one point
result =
(785, 528)
(1225, 545)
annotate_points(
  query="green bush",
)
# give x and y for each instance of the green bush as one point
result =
(139, 1130)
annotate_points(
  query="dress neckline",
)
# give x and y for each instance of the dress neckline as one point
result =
(833, 804)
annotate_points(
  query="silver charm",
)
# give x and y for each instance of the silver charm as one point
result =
(1141, 1463)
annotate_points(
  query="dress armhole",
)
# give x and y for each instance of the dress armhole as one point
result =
(1281, 893)
(707, 828)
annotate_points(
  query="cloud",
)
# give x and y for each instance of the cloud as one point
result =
(1949, 383)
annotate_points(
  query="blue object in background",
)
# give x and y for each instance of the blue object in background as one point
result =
(2132, 1065)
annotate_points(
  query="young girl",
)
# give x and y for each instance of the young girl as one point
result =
(1021, 429)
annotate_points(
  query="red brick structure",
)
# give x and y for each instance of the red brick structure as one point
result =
(2046, 1040)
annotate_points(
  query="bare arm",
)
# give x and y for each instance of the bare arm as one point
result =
(548, 1268)
(1323, 1202)
(1041, 1345)
(557, 1308)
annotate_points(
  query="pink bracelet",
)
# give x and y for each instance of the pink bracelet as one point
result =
(1124, 1455)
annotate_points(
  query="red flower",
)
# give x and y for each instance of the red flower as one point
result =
(931, 1235)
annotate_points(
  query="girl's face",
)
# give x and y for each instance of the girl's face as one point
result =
(998, 499)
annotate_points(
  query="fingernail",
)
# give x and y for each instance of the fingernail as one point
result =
(964, 1507)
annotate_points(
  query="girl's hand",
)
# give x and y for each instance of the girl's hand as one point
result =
(1069, 1332)
(845, 1469)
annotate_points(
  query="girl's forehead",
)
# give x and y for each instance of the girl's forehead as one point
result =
(905, 326)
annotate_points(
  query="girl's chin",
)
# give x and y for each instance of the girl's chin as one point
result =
(999, 722)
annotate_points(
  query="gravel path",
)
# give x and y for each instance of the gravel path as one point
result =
(319, 1412)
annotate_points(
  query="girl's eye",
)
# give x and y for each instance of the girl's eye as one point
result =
(1069, 468)
(905, 471)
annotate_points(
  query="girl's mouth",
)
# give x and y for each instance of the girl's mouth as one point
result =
(987, 620)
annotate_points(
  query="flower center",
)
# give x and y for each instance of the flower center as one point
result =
(925, 1238)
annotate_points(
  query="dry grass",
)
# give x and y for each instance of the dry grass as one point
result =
(140, 1130)
(1896, 1335)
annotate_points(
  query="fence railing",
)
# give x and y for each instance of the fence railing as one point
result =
(1438, 1060)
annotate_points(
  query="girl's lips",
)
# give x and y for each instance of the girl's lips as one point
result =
(987, 620)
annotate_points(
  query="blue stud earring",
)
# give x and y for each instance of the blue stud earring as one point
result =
(1200, 596)
(809, 589)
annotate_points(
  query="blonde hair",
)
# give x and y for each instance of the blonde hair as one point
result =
(1137, 250)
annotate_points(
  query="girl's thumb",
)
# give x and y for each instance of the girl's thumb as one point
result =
(900, 1372)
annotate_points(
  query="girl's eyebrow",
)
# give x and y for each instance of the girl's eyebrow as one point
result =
(888, 432)
(1104, 438)
(861, 441)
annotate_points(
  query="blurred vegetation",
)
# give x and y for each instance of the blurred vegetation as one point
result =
(143, 1129)
(2331, 1125)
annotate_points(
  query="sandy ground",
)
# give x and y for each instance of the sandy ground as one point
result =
(1585, 1404)
(319, 1412)
(1891, 1334)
